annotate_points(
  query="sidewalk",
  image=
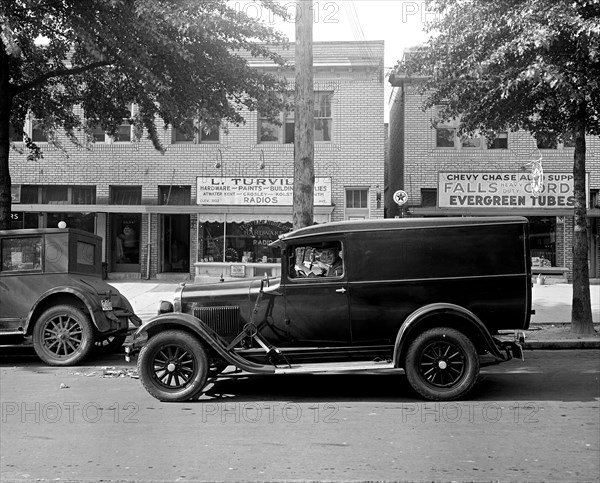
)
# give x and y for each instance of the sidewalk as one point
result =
(550, 325)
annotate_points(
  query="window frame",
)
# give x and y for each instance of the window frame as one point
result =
(354, 212)
(199, 136)
(323, 101)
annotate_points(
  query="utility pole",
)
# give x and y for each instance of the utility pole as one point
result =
(304, 121)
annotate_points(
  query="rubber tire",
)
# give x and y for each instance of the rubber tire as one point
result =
(110, 344)
(184, 341)
(470, 361)
(82, 348)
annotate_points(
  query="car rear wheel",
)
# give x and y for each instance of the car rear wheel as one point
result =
(173, 366)
(442, 364)
(63, 336)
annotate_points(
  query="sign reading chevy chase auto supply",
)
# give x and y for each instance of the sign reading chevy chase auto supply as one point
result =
(256, 191)
(504, 190)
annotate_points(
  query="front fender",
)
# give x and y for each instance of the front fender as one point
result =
(189, 323)
(423, 319)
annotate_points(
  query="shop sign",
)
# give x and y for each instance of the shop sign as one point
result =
(15, 193)
(237, 271)
(502, 190)
(256, 191)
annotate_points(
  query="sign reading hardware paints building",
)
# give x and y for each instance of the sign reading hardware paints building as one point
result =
(502, 190)
(256, 191)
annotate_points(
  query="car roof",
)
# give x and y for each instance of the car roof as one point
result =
(387, 224)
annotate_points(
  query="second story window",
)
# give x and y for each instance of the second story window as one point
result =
(500, 141)
(37, 131)
(14, 136)
(357, 203)
(123, 133)
(191, 132)
(283, 132)
(551, 140)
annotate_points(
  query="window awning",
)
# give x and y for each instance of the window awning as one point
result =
(233, 213)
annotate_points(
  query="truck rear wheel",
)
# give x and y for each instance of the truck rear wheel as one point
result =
(442, 364)
(173, 366)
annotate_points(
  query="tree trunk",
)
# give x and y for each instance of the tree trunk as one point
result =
(5, 108)
(304, 122)
(581, 312)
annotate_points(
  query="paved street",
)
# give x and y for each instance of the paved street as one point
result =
(537, 421)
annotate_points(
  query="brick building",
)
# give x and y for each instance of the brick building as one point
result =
(210, 205)
(444, 175)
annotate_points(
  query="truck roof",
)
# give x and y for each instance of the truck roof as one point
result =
(388, 224)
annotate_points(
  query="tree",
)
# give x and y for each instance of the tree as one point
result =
(304, 122)
(174, 59)
(521, 64)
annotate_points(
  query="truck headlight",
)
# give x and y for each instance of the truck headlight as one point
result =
(164, 307)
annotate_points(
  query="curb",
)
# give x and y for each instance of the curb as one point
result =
(561, 345)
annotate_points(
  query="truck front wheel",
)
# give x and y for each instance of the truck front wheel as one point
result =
(442, 364)
(173, 366)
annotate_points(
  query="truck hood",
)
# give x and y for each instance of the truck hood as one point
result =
(233, 288)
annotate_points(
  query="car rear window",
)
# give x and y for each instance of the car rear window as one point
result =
(21, 254)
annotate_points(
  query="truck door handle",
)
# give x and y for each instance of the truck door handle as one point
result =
(341, 290)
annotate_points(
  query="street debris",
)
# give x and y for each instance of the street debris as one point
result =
(110, 372)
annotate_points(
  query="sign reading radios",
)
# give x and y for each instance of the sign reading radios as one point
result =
(256, 191)
(504, 190)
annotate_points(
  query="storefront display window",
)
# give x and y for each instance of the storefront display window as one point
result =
(241, 242)
(81, 221)
(542, 240)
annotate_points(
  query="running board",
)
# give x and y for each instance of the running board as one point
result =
(335, 367)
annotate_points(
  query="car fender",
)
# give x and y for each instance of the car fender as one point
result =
(189, 323)
(98, 316)
(417, 322)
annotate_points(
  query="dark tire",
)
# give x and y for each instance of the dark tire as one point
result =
(110, 344)
(63, 336)
(442, 364)
(173, 366)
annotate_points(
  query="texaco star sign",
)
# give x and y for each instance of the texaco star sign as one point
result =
(400, 197)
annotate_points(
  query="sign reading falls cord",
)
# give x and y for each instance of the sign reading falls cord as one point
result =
(256, 191)
(504, 190)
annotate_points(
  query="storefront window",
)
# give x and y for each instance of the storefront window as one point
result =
(241, 242)
(82, 221)
(542, 239)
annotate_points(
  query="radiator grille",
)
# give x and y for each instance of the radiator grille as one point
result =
(223, 320)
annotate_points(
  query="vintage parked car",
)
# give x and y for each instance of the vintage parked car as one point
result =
(51, 290)
(429, 296)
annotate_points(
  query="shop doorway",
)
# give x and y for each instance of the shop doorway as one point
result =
(125, 232)
(175, 239)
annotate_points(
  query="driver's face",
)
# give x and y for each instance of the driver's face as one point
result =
(328, 256)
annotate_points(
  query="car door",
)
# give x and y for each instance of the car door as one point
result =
(316, 307)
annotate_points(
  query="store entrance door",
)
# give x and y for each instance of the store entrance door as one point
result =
(175, 239)
(125, 244)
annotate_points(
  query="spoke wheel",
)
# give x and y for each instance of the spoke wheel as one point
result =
(63, 336)
(442, 364)
(173, 366)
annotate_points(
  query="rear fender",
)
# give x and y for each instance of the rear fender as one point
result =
(195, 326)
(455, 316)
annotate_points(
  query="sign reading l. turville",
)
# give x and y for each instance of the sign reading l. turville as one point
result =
(256, 191)
(502, 190)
